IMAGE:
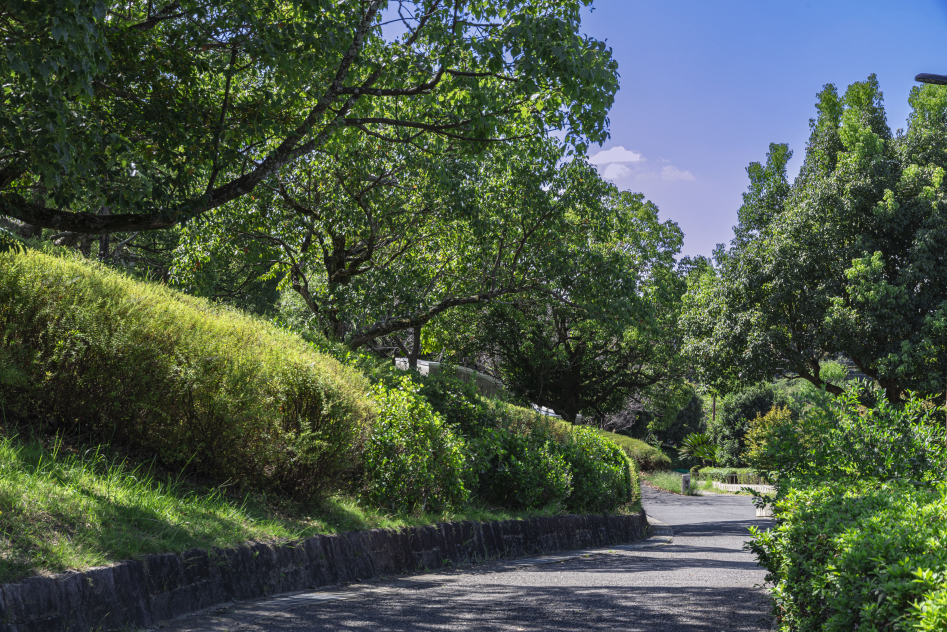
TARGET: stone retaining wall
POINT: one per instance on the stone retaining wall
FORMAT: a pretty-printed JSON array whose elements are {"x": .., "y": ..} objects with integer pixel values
[{"x": 141, "y": 593}]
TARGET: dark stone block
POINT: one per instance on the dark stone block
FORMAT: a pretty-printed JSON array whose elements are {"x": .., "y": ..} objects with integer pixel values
[
  {"x": 597, "y": 529},
  {"x": 471, "y": 544},
  {"x": 383, "y": 549},
  {"x": 451, "y": 542},
  {"x": 358, "y": 548},
  {"x": 195, "y": 565},
  {"x": 89, "y": 600},
  {"x": 163, "y": 572},
  {"x": 513, "y": 540},
  {"x": 265, "y": 568},
  {"x": 549, "y": 530},
  {"x": 493, "y": 544},
  {"x": 418, "y": 540},
  {"x": 237, "y": 574},
  {"x": 583, "y": 533},
  {"x": 34, "y": 599},
  {"x": 339, "y": 559},
  {"x": 402, "y": 556},
  {"x": 318, "y": 568},
  {"x": 131, "y": 594},
  {"x": 533, "y": 541}
]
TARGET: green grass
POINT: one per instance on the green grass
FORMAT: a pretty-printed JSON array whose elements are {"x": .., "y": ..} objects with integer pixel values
[
  {"x": 191, "y": 381},
  {"x": 63, "y": 508},
  {"x": 669, "y": 482}
]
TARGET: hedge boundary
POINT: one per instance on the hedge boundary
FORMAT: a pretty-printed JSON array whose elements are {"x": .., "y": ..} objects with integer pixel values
[{"x": 142, "y": 593}]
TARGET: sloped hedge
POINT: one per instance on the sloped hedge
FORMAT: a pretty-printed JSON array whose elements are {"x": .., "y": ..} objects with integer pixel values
[{"x": 90, "y": 349}]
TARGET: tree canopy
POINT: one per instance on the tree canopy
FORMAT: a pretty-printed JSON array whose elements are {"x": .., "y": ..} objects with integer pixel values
[
  {"x": 847, "y": 260},
  {"x": 140, "y": 115},
  {"x": 608, "y": 330}
]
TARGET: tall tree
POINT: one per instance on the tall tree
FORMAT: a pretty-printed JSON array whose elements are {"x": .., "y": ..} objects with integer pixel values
[
  {"x": 609, "y": 331},
  {"x": 140, "y": 115},
  {"x": 847, "y": 260}
]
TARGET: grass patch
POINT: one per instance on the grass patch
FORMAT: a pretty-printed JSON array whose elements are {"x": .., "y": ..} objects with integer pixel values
[
  {"x": 65, "y": 508},
  {"x": 669, "y": 482}
]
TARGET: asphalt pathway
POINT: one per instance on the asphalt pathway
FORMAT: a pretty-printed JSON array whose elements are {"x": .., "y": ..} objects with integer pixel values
[{"x": 700, "y": 580}]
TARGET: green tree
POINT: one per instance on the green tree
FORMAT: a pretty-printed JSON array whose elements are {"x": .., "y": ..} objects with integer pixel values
[
  {"x": 848, "y": 260},
  {"x": 380, "y": 242},
  {"x": 737, "y": 411},
  {"x": 612, "y": 331},
  {"x": 140, "y": 115}
]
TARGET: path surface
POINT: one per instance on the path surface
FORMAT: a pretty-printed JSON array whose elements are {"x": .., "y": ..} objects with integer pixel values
[{"x": 701, "y": 582}]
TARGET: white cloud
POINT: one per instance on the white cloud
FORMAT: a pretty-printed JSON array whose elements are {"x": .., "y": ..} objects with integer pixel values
[
  {"x": 616, "y": 171},
  {"x": 671, "y": 173},
  {"x": 616, "y": 154}
]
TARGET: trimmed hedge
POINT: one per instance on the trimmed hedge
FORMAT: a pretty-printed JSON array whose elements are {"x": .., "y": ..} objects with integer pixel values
[
  {"x": 648, "y": 457},
  {"x": 845, "y": 558},
  {"x": 88, "y": 348},
  {"x": 731, "y": 475}
]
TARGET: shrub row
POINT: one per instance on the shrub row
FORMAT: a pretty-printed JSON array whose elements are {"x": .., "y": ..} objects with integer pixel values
[
  {"x": 648, "y": 457},
  {"x": 860, "y": 513},
  {"x": 844, "y": 557},
  {"x": 88, "y": 349},
  {"x": 517, "y": 458},
  {"x": 731, "y": 475}
]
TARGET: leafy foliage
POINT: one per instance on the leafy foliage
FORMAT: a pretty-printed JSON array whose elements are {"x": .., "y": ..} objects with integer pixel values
[
  {"x": 614, "y": 336},
  {"x": 846, "y": 260},
  {"x": 601, "y": 473},
  {"x": 699, "y": 446},
  {"x": 736, "y": 412},
  {"x": 841, "y": 439},
  {"x": 523, "y": 469},
  {"x": 9, "y": 242},
  {"x": 412, "y": 460},
  {"x": 223, "y": 94},
  {"x": 647, "y": 457},
  {"x": 843, "y": 557},
  {"x": 376, "y": 241}
]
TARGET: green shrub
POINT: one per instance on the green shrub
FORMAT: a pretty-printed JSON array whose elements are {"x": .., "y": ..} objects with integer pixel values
[
  {"x": 84, "y": 347},
  {"x": 697, "y": 445},
  {"x": 412, "y": 461},
  {"x": 521, "y": 470},
  {"x": 602, "y": 476},
  {"x": 647, "y": 457},
  {"x": 736, "y": 412},
  {"x": 457, "y": 402},
  {"x": 840, "y": 439},
  {"x": 847, "y": 558}
]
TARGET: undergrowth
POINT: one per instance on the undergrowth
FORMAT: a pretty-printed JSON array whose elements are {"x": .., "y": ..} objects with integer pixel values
[{"x": 64, "y": 507}]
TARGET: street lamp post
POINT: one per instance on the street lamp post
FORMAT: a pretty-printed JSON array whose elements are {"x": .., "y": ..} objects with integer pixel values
[{"x": 940, "y": 80}]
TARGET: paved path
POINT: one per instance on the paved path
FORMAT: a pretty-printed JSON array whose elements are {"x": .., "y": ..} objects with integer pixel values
[{"x": 701, "y": 582}]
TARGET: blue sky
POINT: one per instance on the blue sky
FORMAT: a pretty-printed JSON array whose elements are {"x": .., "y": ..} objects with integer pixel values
[{"x": 706, "y": 85}]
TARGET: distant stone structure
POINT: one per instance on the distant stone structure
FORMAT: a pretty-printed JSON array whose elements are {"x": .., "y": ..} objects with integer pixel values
[{"x": 486, "y": 385}]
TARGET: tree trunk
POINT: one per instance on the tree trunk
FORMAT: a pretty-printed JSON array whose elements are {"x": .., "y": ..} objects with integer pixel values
[{"x": 415, "y": 347}]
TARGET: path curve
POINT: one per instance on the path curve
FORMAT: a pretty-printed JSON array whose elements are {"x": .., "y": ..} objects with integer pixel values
[{"x": 700, "y": 581}]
